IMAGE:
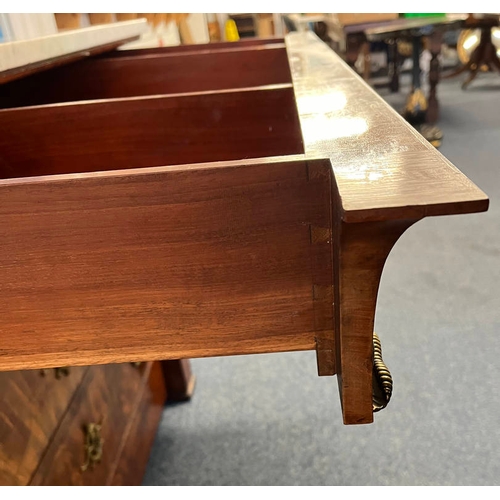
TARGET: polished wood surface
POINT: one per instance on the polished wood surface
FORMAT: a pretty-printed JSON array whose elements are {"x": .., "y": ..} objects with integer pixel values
[
  {"x": 393, "y": 26},
  {"x": 276, "y": 244},
  {"x": 386, "y": 176},
  {"x": 31, "y": 406},
  {"x": 384, "y": 169},
  {"x": 137, "y": 132},
  {"x": 109, "y": 396},
  {"x": 360, "y": 255},
  {"x": 43, "y": 414},
  {"x": 133, "y": 459},
  {"x": 161, "y": 263},
  {"x": 170, "y": 73}
]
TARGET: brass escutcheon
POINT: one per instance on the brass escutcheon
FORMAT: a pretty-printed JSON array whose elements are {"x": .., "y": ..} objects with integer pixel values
[{"x": 93, "y": 445}]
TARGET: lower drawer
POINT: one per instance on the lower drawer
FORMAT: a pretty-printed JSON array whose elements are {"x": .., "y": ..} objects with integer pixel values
[
  {"x": 134, "y": 457},
  {"x": 89, "y": 441},
  {"x": 32, "y": 403}
]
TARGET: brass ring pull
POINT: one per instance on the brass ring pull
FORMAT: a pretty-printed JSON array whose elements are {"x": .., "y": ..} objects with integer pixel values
[
  {"x": 93, "y": 445},
  {"x": 382, "y": 378}
]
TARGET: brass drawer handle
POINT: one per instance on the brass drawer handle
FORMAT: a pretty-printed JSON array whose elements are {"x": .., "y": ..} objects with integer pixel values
[
  {"x": 382, "y": 378},
  {"x": 93, "y": 445}
]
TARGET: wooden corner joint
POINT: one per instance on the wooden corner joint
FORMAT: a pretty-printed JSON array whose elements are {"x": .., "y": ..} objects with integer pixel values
[{"x": 322, "y": 297}]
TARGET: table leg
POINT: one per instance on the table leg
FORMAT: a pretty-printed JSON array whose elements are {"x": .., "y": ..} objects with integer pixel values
[
  {"x": 433, "y": 104},
  {"x": 417, "y": 45},
  {"x": 429, "y": 129},
  {"x": 416, "y": 103},
  {"x": 354, "y": 44},
  {"x": 393, "y": 65},
  {"x": 365, "y": 50},
  {"x": 419, "y": 111}
]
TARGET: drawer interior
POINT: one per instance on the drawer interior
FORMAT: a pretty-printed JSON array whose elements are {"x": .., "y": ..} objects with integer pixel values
[
  {"x": 151, "y": 131},
  {"x": 151, "y": 74},
  {"x": 155, "y": 109}
]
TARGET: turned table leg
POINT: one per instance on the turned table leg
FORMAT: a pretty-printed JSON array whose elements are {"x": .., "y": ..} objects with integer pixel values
[
  {"x": 420, "y": 111},
  {"x": 430, "y": 130},
  {"x": 393, "y": 64},
  {"x": 433, "y": 105}
]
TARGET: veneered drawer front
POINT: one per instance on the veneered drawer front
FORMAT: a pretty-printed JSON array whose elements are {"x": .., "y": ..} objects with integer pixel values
[
  {"x": 108, "y": 396},
  {"x": 32, "y": 404},
  {"x": 139, "y": 440}
]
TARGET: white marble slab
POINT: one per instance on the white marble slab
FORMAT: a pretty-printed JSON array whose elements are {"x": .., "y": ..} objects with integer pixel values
[{"x": 23, "y": 52}]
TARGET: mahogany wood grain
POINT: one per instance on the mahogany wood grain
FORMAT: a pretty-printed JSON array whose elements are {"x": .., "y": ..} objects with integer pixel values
[
  {"x": 31, "y": 406},
  {"x": 109, "y": 396},
  {"x": 131, "y": 465},
  {"x": 160, "y": 263},
  {"x": 359, "y": 258},
  {"x": 106, "y": 78},
  {"x": 384, "y": 169},
  {"x": 136, "y": 132},
  {"x": 386, "y": 176},
  {"x": 218, "y": 258}
]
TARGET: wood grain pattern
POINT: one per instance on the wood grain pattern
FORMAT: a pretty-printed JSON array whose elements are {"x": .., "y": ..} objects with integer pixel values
[
  {"x": 133, "y": 459},
  {"x": 360, "y": 255},
  {"x": 385, "y": 177},
  {"x": 31, "y": 406},
  {"x": 106, "y": 78},
  {"x": 384, "y": 169},
  {"x": 162, "y": 263},
  {"x": 136, "y": 132},
  {"x": 218, "y": 258},
  {"x": 109, "y": 395}
]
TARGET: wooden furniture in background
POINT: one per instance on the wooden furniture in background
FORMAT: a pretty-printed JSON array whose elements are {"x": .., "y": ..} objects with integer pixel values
[
  {"x": 154, "y": 218},
  {"x": 484, "y": 56},
  {"x": 422, "y": 111}
]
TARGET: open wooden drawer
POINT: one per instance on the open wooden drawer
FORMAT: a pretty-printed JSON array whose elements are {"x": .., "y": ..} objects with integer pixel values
[{"x": 207, "y": 201}]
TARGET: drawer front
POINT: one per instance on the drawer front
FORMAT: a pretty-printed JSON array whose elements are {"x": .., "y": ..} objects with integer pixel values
[
  {"x": 32, "y": 404},
  {"x": 107, "y": 397},
  {"x": 135, "y": 455}
]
